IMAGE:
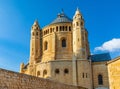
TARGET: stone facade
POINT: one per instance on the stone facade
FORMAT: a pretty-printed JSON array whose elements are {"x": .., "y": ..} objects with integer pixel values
[
  {"x": 100, "y": 68},
  {"x": 13, "y": 80},
  {"x": 114, "y": 73},
  {"x": 60, "y": 52}
]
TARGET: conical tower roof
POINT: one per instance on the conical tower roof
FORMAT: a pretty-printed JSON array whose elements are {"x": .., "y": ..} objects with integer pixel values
[
  {"x": 36, "y": 24},
  {"x": 77, "y": 12}
]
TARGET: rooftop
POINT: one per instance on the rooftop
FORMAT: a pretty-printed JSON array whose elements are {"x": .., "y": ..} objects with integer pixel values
[
  {"x": 100, "y": 57},
  {"x": 61, "y": 18}
]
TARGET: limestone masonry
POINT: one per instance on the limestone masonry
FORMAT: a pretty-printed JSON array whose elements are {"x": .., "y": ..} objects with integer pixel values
[
  {"x": 60, "y": 52},
  {"x": 13, "y": 80}
]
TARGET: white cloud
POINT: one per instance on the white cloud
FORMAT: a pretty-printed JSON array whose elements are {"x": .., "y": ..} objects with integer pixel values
[{"x": 111, "y": 46}]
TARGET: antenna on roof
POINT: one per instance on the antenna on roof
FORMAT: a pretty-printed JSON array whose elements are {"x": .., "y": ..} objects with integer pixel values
[
  {"x": 77, "y": 8},
  {"x": 62, "y": 11}
]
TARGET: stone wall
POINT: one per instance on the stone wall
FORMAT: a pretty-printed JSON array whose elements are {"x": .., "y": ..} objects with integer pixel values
[
  {"x": 100, "y": 68},
  {"x": 84, "y": 76},
  {"x": 13, "y": 80},
  {"x": 114, "y": 73}
]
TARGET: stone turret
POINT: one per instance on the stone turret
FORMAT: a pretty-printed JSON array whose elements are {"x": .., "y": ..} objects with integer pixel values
[
  {"x": 35, "y": 42},
  {"x": 21, "y": 67},
  {"x": 80, "y": 44},
  {"x": 77, "y": 35}
]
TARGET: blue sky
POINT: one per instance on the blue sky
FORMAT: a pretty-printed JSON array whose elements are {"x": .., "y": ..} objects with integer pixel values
[{"x": 17, "y": 16}]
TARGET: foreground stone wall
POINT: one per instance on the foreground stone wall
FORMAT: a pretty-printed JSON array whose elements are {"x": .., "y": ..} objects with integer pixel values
[{"x": 13, "y": 80}]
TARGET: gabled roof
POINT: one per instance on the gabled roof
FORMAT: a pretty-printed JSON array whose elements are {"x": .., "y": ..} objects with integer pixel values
[
  {"x": 61, "y": 18},
  {"x": 113, "y": 60},
  {"x": 100, "y": 57}
]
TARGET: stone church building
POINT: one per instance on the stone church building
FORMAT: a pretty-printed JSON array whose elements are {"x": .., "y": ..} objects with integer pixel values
[{"x": 60, "y": 52}]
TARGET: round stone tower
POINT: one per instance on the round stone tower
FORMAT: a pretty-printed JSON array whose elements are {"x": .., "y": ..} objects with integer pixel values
[{"x": 57, "y": 39}]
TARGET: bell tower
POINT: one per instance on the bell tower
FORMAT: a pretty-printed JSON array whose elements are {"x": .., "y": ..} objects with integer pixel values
[
  {"x": 35, "y": 43},
  {"x": 80, "y": 37}
]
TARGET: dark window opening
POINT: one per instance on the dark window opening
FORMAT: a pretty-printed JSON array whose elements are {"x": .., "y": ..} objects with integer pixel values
[
  {"x": 66, "y": 71},
  {"x": 46, "y": 32},
  {"x": 57, "y": 28},
  {"x": 77, "y": 24},
  {"x": 36, "y": 33},
  {"x": 100, "y": 79},
  {"x": 44, "y": 73},
  {"x": 64, "y": 43},
  {"x": 57, "y": 71},
  {"x": 69, "y": 28},
  {"x": 38, "y": 73},
  {"x": 46, "y": 45},
  {"x": 83, "y": 75},
  {"x": 50, "y": 30},
  {"x": 86, "y": 75},
  {"x": 33, "y": 34},
  {"x": 81, "y": 23}
]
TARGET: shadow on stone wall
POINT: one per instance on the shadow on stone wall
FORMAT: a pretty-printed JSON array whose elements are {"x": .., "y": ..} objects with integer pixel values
[{"x": 14, "y": 80}]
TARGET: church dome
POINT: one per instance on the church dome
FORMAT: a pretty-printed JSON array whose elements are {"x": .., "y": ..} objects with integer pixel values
[{"x": 61, "y": 18}]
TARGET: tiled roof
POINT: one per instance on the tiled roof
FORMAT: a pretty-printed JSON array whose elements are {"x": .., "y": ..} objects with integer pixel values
[
  {"x": 61, "y": 18},
  {"x": 100, "y": 57}
]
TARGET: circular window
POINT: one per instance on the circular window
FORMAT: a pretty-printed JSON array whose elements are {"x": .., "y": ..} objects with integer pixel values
[
  {"x": 57, "y": 71},
  {"x": 66, "y": 71}
]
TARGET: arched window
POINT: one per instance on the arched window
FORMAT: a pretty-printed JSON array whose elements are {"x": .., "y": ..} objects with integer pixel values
[
  {"x": 83, "y": 75},
  {"x": 100, "y": 79},
  {"x": 57, "y": 71},
  {"x": 48, "y": 31},
  {"x": 77, "y": 24},
  {"x": 63, "y": 42},
  {"x": 45, "y": 45},
  {"x": 33, "y": 33},
  {"x": 38, "y": 73},
  {"x": 82, "y": 24},
  {"x": 44, "y": 73},
  {"x": 66, "y": 71},
  {"x": 69, "y": 28},
  {"x": 86, "y": 75},
  {"x": 36, "y": 33},
  {"x": 65, "y": 28},
  {"x": 57, "y": 28}
]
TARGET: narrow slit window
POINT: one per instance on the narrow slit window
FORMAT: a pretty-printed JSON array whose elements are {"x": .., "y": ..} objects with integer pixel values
[
  {"x": 45, "y": 45},
  {"x": 63, "y": 42}
]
